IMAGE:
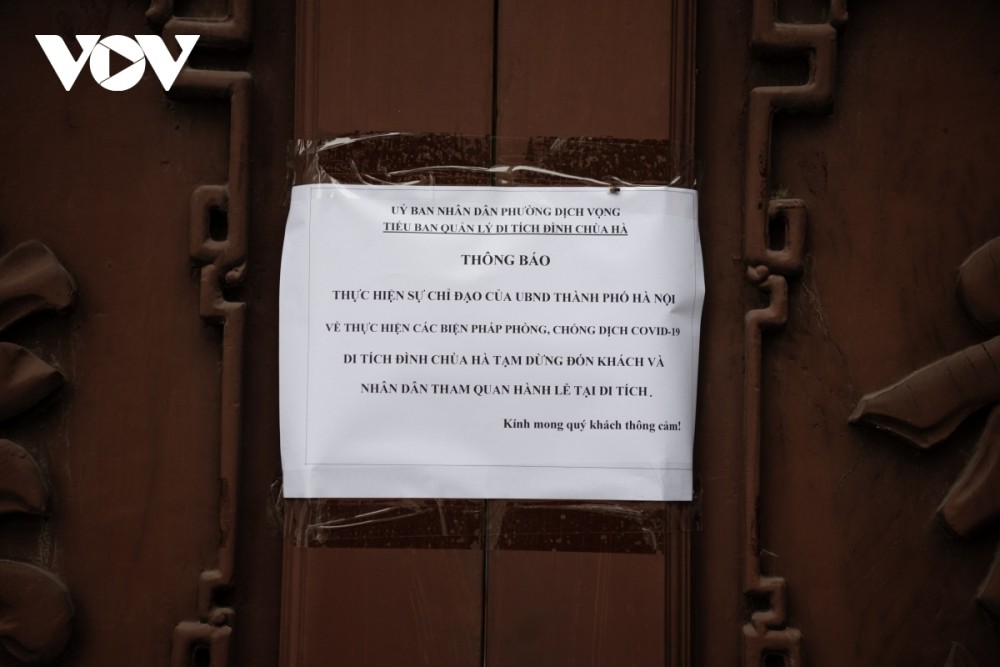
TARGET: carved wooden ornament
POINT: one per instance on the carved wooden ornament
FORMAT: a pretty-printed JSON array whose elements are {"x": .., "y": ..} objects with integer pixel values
[
  {"x": 36, "y": 611},
  {"x": 926, "y": 407},
  {"x": 767, "y": 633}
]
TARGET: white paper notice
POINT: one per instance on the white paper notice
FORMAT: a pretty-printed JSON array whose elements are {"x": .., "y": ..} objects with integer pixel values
[{"x": 474, "y": 342}]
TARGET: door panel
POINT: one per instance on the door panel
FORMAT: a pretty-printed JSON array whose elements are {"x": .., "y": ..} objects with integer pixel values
[
  {"x": 384, "y": 66},
  {"x": 585, "y": 583},
  {"x": 613, "y": 547},
  {"x": 138, "y": 448},
  {"x": 410, "y": 571},
  {"x": 900, "y": 191}
]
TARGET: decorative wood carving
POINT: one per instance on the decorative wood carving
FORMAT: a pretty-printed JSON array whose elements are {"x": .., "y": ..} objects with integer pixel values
[
  {"x": 22, "y": 489},
  {"x": 32, "y": 280},
  {"x": 27, "y": 379},
  {"x": 767, "y": 633},
  {"x": 926, "y": 407},
  {"x": 36, "y": 612},
  {"x": 231, "y": 31},
  {"x": 218, "y": 229}
]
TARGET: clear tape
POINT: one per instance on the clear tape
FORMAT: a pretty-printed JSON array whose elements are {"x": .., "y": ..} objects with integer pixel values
[{"x": 407, "y": 158}]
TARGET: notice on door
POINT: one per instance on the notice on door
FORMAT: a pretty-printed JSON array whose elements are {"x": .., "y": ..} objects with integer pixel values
[{"x": 478, "y": 342}]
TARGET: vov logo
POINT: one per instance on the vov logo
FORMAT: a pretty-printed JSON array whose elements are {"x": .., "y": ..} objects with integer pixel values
[{"x": 137, "y": 51}]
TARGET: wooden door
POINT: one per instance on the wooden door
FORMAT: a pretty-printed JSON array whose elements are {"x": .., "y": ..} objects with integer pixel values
[
  {"x": 846, "y": 172},
  {"x": 495, "y": 582},
  {"x": 140, "y": 514}
]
